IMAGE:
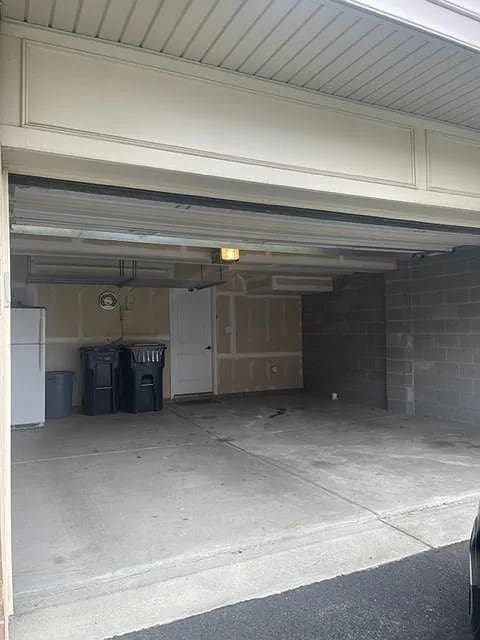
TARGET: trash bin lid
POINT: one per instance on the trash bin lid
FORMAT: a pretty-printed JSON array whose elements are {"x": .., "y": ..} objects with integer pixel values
[
  {"x": 146, "y": 352},
  {"x": 60, "y": 373}
]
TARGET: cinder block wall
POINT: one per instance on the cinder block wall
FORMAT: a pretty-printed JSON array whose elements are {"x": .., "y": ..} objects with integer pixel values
[
  {"x": 433, "y": 329},
  {"x": 344, "y": 340}
]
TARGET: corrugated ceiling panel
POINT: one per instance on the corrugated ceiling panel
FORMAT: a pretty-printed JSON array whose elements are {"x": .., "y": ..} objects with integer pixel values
[
  {"x": 189, "y": 26},
  {"x": 249, "y": 12},
  {"x": 165, "y": 24},
  {"x": 140, "y": 21},
  {"x": 211, "y": 28},
  {"x": 380, "y": 41},
  {"x": 324, "y": 45},
  {"x": 261, "y": 29},
  {"x": 17, "y": 10},
  {"x": 115, "y": 19},
  {"x": 284, "y": 31},
  {"x": 335, "y": 41},
  {"x": 40, "y": 12},
  {"x": 91, "y": 16},
  {"x": 65, "y": 15},
  {"x": 388, "y": 74}
]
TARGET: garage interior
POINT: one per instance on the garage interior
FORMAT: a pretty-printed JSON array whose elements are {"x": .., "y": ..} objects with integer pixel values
[{"x": 257, "y": 458}]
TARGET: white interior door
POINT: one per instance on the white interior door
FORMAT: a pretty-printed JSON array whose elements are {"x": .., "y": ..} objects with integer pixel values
[{"x": 191, "y": 341}]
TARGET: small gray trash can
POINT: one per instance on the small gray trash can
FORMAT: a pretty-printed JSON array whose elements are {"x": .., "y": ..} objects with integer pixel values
[{"x": 58, "y": 393}]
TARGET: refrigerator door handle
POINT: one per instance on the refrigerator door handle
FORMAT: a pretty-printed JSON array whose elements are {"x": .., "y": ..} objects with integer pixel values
[
  {"x": 41, "y": 342},
  {"x": 41, "y": 356}
]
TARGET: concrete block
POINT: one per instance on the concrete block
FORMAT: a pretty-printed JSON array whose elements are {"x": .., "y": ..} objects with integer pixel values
[
  {"x": 435, "y": 354},
  {"x": 449, "y": 398},
  {"x": 447, "y": 340},
  {"x": 469, "y": 371},
  {"x": 462, "y": 385},
  {"x": 445, "y": 311},
  {"x": 399, "y": 327},
  {"x": 424, "y": 340},
  {"x": 399, "y": 379},
  {"x": 399, "y": 353},
  {"x": 431, "y": 298},
  {"x": 470, "y": 340},
  {"x": 475, "y": 325},
  {"x": 398, "y": 300},
  {"x": 429, "y": 326},
  {"x": 397, "y": 340},
  {"x": 399, "y": 313},
  {"x": 397, "y": 406},
  {"x": 423, "y": 313},
  {"x": 458, "y": 326},
  {"x": 459, "y": 354},
  {"x": 461, "y": 295},
  {"x": 470, "y": 401},
  {"x": 398, "y": 286},
  {"x": 469, "y": 310},
  {"x": 399, "y": 366},
  {"x": 449, "y": 369}
]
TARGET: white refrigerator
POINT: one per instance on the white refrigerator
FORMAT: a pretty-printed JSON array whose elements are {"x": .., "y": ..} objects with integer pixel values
[{"x": 28, "y": 366}]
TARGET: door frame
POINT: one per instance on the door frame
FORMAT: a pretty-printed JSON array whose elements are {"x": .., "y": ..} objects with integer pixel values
[
  {"x": 6, "y": 588},
  {"x": 213, "y": 308}
]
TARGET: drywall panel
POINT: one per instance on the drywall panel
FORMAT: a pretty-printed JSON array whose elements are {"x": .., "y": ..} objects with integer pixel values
[
  {"x": 285, "y": 331},
  {"x": 68, "y": 90},
  {"x": 258, "y": 340},
  {"x": 74, "y": 320},
  {"x": 453, "y": 164},
  {"x": 260, "y": 373},
  {"x": 267, "y": 324},
  {"x": 64, "y": 322},
  {"x": 224, "y": 328}
]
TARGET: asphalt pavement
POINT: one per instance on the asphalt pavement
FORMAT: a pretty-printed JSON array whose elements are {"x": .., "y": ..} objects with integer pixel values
[{"x": 423, "y": 597}]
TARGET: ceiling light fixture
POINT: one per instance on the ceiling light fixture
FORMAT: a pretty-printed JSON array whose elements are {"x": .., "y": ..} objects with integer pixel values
[{"x": 225, "y": 255}]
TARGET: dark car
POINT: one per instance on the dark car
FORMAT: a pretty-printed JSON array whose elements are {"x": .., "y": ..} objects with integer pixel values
[{"x": 475, "y": 578}]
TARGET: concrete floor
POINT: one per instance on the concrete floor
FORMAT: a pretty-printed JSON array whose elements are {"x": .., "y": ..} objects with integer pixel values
[{"x": 114, "y": 503}]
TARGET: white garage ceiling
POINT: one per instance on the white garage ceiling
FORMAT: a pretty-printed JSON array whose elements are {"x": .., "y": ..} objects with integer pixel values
[{"x": 322, "y": 45}]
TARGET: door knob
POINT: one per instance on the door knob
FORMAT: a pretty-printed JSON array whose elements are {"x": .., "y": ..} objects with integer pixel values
[{"x": 208, "y": 348}]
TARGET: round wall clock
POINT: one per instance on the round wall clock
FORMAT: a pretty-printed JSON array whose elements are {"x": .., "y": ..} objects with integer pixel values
[{"x": 108, "y": 300}]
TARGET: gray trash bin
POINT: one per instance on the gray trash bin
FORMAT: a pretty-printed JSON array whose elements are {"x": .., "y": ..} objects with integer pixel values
[{"x": 58, "y": 393}]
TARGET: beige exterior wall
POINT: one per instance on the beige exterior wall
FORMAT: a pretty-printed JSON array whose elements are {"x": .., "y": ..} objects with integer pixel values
[
  {"x": 58, "y": 121},
  {"x": 258, "y": 337}
]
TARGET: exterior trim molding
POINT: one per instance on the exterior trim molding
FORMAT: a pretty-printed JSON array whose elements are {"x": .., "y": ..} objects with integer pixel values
[{"x": 28, "y": 122}]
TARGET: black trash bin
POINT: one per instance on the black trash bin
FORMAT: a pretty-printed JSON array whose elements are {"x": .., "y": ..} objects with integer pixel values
[
  {"x": 101, "y": 379},
  {"x": 142, "y": 377},
  {"x": 58, "y": 394}
]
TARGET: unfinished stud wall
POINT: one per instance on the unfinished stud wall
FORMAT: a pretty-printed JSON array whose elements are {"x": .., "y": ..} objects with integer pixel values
[
  {"x": 344, "y": 341},
  {"x": 259, "y": 340}
]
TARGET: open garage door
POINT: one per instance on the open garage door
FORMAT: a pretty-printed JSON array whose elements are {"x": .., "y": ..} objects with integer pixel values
[
  {"x": 133, "y": 248},
  {"x": 47, "y": 208}
]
